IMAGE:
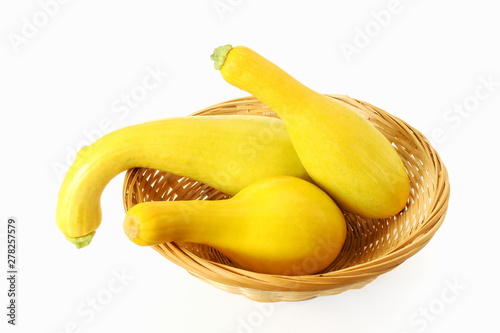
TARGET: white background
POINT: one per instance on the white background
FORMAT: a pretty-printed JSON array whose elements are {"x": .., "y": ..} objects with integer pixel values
[{"x": 65, "y": 67}]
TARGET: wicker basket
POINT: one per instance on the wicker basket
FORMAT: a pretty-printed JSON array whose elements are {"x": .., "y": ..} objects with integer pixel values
[{"x": 372, "y": 247}]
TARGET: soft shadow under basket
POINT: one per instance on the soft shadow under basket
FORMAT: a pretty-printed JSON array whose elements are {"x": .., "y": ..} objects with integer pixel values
[{"x": 373, "y": 247}]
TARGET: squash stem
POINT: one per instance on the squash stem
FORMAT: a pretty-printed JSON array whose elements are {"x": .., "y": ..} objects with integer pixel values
[
  {"x": 81, "y": 241},
  {"x": 220, "y": 55},
  {"x": 131, "y": 226}
]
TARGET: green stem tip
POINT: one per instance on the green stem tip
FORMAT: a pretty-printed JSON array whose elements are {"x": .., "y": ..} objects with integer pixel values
[
  {"x": 81, "y": 241},
  {"x": 220, "y": 54}
]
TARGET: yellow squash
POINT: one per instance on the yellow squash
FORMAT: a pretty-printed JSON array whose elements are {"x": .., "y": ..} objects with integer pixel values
[
  {"x": 342, "y": 152},
  {"x": 227, "y": 152},
  {"x": 279, "y": 225}
]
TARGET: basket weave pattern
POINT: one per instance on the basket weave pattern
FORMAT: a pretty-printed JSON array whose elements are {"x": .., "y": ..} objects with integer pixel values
[{"x": 373, "y": 246}]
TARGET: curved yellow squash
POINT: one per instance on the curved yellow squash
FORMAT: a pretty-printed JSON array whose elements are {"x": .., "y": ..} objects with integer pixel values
[
  {"x": 342, "y": 152},
  {"x": 225, "y": 152},
  {"x": 279, "y": 225}
]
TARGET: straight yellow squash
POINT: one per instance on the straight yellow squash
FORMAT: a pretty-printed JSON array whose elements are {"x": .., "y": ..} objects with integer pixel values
[
  {"x": 227, "y": 152},
  {"x": 342, "y": 152},
  {"x": 279, "y": 225}
]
